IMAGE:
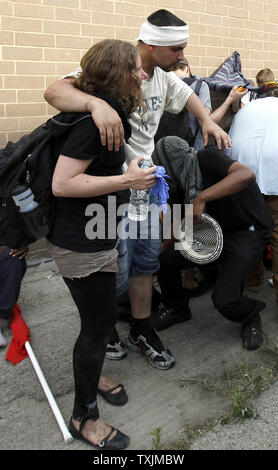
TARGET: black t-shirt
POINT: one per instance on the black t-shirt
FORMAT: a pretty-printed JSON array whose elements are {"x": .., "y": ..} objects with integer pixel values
[
  {"x": 70, "y": 227},
  {"x": 238, "y": 211}
]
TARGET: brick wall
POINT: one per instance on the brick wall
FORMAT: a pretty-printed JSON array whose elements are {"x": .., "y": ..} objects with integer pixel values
[{"x": 41, "y": 40}]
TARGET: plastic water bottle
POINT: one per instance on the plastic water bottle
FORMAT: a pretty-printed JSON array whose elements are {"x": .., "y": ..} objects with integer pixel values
[
  {"x": 139, "y": 198},
  {"x": 24, "y": 198}
]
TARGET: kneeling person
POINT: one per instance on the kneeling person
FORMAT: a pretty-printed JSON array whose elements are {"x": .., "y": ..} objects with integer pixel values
[{"x": 232, "y": 197}]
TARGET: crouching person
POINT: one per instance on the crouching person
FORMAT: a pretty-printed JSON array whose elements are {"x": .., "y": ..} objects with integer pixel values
[{"x": 232, "y": 197}]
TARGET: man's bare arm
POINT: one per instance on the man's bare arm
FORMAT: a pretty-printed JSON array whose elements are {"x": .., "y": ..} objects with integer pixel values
[
  {"x": 63, "y": 96},
  {"x": 233, "y": 99},
  {"x": 209, "y": 127},
  {"x": 239, "y": 177}
]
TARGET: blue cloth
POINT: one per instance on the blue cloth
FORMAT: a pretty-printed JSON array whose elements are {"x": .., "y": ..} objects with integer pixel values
[{"x": 161, "y": 188}]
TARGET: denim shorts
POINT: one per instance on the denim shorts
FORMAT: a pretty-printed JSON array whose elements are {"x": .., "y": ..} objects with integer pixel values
[{"x": 139, "y": 255}]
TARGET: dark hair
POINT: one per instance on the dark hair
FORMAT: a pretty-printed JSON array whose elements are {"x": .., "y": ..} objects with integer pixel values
[
  {"x": 165, "y": 18},
  {"x": 271, "y": 92}
]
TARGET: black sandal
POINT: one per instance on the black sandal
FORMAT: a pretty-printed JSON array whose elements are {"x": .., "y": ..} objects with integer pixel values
[
  {"x": 118, "y": 442},
  {"x": 119, "y": 399}
]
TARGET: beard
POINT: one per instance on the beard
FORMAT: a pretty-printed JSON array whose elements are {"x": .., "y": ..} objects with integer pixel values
[{"x": 168, "y": 68}]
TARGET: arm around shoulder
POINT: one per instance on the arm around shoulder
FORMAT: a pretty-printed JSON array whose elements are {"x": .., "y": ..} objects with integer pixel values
[{"x": 63, "y": 96}]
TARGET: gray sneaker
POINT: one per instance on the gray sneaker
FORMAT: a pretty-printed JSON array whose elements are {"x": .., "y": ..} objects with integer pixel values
[
  {"x": 161, "y": 360},
  {"x": 116, "y": 351}
]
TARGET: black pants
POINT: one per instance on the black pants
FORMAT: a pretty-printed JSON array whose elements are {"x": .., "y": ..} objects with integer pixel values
[
  {"x": 95, "y": 298},
  {"x": 241, "y": 251},
  {"x": 12, "y": 271}
]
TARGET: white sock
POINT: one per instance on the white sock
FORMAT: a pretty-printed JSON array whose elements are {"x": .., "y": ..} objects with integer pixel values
[{"x": 3, "y": 342}]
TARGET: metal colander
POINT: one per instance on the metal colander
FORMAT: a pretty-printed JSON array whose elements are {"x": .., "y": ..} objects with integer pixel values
[{"x": 207, "y": 243}]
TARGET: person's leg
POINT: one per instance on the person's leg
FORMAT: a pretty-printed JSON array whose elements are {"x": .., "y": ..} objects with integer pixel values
[
  {"x": 116, "y": 349},
  {"x": 97, "y": 314},
  {"x": 175, "y": 297},
  {"x": 241, "y": 250},
  {"x": 272, "y": 205},
  {"x": 256, "y": 277},
  {"x": 12, "y": 270},
  {"x": 144, "y": 261}
]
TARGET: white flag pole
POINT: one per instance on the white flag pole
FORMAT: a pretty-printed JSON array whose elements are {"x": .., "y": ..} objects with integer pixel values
[{"x": 59, "y": 418}]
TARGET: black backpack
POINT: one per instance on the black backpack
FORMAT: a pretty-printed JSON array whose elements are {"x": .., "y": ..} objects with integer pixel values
[
  {"x": 178, "y": 124},
  {"x": 31, "y": 161}
]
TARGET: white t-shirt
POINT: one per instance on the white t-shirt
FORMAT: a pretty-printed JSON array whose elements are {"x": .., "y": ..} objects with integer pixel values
[
  {"x": 163, "y": 92},
  {"x": 254, "y": 133}
]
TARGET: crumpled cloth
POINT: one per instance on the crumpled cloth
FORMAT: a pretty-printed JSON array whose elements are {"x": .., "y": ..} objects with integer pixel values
[
  {"x": 161, "y": 188},
  {"x": 21, "y": 333}
]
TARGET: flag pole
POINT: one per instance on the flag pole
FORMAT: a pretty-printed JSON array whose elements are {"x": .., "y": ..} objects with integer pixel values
[{"x": 59, "y": 418}]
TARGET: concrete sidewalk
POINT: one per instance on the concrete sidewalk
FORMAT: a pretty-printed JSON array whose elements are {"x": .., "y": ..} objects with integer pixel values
[{"x": 204, "y": 347}]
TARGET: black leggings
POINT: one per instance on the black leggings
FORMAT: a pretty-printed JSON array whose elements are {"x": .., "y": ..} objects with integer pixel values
[{"x": 95, "y": 298}]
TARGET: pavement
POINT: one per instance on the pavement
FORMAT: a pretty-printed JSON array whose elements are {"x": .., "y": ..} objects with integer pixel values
[{"x": 204, "y": 348}]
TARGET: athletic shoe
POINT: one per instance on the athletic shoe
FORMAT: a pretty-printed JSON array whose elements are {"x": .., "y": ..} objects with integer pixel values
[
  {"x": 153, "y": 349},
  {"x": 167, "y": 317},
  {"x": 116, "y": 351},
  {"x": 252, "y": 334}
]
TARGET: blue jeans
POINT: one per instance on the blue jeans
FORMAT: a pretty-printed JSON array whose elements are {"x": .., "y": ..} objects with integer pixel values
[{"x": 139, "y": 256}]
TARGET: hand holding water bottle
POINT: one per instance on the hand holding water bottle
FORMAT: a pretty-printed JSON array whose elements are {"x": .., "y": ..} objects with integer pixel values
[
  {"x": 138, "y": 177},
  {"x": 139, "y": 198}
]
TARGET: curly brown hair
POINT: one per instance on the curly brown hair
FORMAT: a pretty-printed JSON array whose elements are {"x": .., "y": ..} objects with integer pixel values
[{"x": 106, "y": 66}]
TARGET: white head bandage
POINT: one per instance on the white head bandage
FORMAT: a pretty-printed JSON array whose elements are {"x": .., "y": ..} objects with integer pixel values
[{"x": 163, "y": 35}]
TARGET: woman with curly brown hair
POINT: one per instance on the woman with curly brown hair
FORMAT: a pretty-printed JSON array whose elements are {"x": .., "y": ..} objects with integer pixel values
[{"x": 88, "y": 174}]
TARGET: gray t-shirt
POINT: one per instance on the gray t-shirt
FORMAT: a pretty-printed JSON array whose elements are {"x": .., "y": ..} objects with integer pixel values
[{"x": 204, "y": 96}]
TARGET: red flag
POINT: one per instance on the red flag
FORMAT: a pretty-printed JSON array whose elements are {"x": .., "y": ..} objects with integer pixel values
[{"x": 21, "y": 333}]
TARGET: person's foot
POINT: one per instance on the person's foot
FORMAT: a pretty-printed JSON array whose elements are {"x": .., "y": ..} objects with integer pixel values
[
  {"x": 93, "y": 431},
  {"x": 252, "y": 334},
  {"x": 3, "y": 342},
  {"x": 113, "y": 392},
  {"x": 98, "y": 434},
  {"x": 153, "y": 349},
  {"x": 116, "y": 351},
  {"x": 167, "y": 317},
  {"x": 105, "y": 384}
]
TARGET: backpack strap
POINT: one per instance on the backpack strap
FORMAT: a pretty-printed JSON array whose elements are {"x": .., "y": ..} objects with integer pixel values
[
  {"x": 197, "y": 91},
  {"x": 198, "y": 86}
]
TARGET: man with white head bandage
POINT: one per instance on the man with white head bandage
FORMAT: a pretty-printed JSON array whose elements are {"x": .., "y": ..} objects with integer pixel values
[{"x": 161, "y": 42}]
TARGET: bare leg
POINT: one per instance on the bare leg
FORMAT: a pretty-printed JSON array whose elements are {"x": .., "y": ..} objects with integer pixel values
[{"x": 140, "y": 294}]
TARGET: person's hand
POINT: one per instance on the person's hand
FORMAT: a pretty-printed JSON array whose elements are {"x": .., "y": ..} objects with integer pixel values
[
  {"x": 140, "y": 178},
  {"x": 236, "y": 95},
  {"x": 221, "y": 137},
  {"x": 108, "y": 122},
  {"x": 198, "y": 208},
  {"x": 20, "y": 253}
]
